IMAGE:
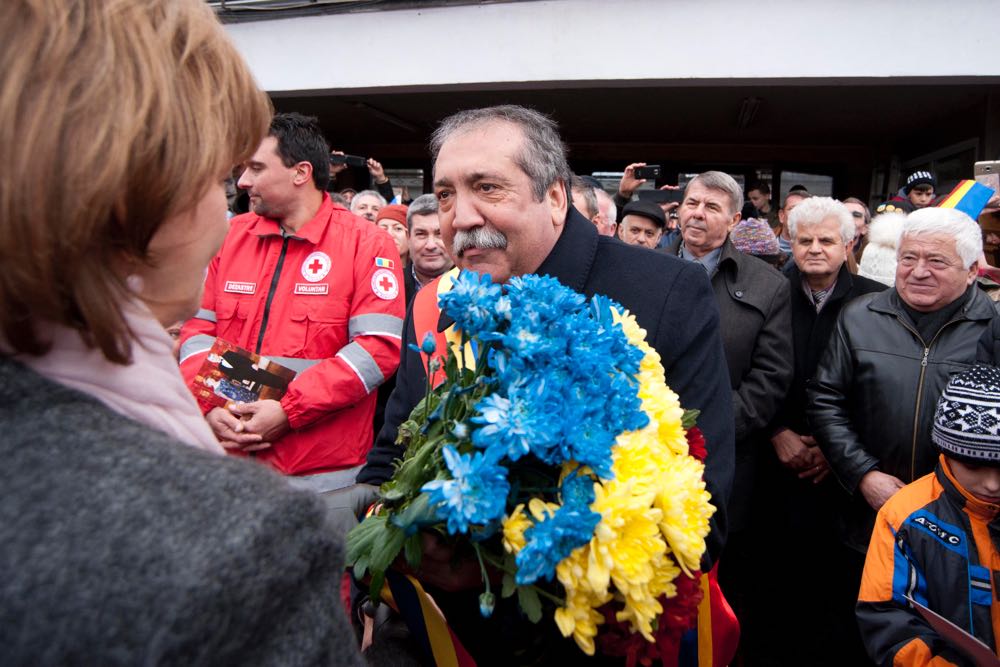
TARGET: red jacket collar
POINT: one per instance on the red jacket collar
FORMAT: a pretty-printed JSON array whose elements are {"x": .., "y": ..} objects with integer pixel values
[{"x": 312, "y": 231}]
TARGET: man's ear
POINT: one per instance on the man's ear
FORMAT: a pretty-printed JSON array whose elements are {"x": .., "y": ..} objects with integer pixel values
[
  {"x": 973, "y": 273},
  {"x": 303, "y": 173},
  {"x": 734, "y": 221},
  {"x": 558, "y": 202}
]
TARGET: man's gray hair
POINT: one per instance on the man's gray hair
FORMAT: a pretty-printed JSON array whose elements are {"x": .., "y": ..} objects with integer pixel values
[
  {"x": 422, "y": 205},
  {"x": 815, "y": 210},
  {"x": 610, "y": 210},
  {"x": 542, "y": 156},
  {"x": 723, "y": 182},
  {"x": 372, "y": 193},
  {"x": 949, "y": 222},
  {"x": 586, "y": 190}
]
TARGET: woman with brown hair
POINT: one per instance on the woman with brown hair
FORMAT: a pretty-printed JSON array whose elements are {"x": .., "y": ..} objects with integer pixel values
[{"x": 125, "y": 536}]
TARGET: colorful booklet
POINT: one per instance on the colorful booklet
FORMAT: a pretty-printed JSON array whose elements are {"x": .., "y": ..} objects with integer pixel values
[{"x": 231, "y": 374}]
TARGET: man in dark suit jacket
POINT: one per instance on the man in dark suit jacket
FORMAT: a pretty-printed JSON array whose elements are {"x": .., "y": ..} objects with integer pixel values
[
  {"x": 800, "y": 500},
  {"x": 755, "y": 319}
]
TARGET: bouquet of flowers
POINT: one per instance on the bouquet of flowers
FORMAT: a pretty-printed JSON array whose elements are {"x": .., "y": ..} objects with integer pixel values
[{"x": 556, "y": 451}]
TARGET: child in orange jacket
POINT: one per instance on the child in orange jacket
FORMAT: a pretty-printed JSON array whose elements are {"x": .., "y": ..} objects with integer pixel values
[{"x": 935, "y": 540}]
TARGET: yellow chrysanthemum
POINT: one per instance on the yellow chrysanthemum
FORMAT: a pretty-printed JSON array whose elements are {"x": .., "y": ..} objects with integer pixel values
[
  {"x": 579, "y": 620},
  {"x": 626, "y": 540},
  {"x": 686, "y": 510},
  {"x": 514, "y": 526},
  {"x": 540, "y": 509}
]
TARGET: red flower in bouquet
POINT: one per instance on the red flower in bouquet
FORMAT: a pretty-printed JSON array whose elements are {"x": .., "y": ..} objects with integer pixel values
[
  {"x": 680, "y": 613},
  {"x": 696, "y": 443}
]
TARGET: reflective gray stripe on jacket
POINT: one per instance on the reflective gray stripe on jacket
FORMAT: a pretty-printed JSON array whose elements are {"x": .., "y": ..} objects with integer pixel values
[
  {"x": 206, "y": 314},
  {"x": 195, "y": 345},
  {"x": 375, "y": 324},
  {"x": 363, "y": 364},
  {"x": 297, "y": 365}
]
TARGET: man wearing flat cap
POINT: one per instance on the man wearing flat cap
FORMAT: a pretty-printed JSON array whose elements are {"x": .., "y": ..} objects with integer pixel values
[{"x": 642, "y": 224}]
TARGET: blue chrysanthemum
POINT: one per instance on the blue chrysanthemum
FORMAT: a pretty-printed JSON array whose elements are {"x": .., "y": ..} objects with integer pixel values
[
  {"x": 577, "y": 490},
  {"x": 551, "y": 540},
  {"x": 513, "y": 424},
  {"x": 476, "y": 493},
  {"x": 475, "y": 303}
]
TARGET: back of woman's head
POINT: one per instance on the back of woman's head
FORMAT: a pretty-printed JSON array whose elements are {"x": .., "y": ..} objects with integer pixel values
[{"x": 114, "y": 116}]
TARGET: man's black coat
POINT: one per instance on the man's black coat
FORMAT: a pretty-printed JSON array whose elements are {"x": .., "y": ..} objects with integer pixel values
[{"x": 810, "y": 333}]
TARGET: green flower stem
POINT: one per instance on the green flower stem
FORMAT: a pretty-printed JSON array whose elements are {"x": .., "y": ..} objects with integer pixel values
[
  {"x": 427, "y": 387},
  {"x": 498, "y": 565},
  {"x": 482, "y": 566}
]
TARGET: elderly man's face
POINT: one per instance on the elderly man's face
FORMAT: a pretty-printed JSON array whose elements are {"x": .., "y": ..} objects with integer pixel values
[
  {"x": 489, "y": 216},
  {"x": 929, "y": 272},
  {"x": 705, "y": 219},
  {"x": 366, "y": 206},
  {"x": 818, "y": 248},
  {"x": 639, "y": 230},
  {"x": 605, "y": 220}
]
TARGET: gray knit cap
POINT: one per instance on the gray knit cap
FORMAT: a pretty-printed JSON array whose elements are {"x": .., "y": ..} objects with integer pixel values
[{"x": 967, "y": 420}]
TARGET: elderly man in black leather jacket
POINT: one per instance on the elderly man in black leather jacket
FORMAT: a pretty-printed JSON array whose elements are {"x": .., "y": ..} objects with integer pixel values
[{"x": 873, "y": 397}]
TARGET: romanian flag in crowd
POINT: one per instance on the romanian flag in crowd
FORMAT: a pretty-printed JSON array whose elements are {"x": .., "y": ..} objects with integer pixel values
[
  {"x": 384, "y": 263},
  {"x": 969, "y": 197}
]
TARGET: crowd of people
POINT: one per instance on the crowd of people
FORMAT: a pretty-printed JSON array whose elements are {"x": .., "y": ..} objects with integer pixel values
[{"x": 844, "y": 367}]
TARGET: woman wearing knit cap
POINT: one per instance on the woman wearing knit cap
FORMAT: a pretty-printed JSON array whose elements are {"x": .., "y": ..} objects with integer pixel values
[
  {"x": 935, "y": 540},
  {"x": 755, "y": 237},
  {"x": 126, "y": 537}
]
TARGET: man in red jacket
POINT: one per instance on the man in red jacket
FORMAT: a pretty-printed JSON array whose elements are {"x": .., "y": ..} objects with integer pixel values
[{"x": 310, "y": 286}]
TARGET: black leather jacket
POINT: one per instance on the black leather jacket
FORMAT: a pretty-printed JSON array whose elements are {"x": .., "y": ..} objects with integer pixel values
[{"x": 872, "y": 399}]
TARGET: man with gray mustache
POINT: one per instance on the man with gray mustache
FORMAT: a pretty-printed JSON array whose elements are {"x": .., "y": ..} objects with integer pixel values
[
  {"x": 482, "y": 238},
  {"x": 502, "y": 183}
]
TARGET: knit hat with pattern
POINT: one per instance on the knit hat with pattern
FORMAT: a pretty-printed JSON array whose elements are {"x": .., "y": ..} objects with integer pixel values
[
  {"x": 754, "y": 237},
  {"x": 967, "y": 420},
  {"x": 919, "y": 178}
]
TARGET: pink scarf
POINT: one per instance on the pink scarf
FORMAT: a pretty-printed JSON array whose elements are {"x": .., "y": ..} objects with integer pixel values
[{"x": 150, "y": 390}]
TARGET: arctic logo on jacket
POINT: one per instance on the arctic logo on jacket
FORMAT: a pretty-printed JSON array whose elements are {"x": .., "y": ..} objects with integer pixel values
[{"x": 948, "y": 535}]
